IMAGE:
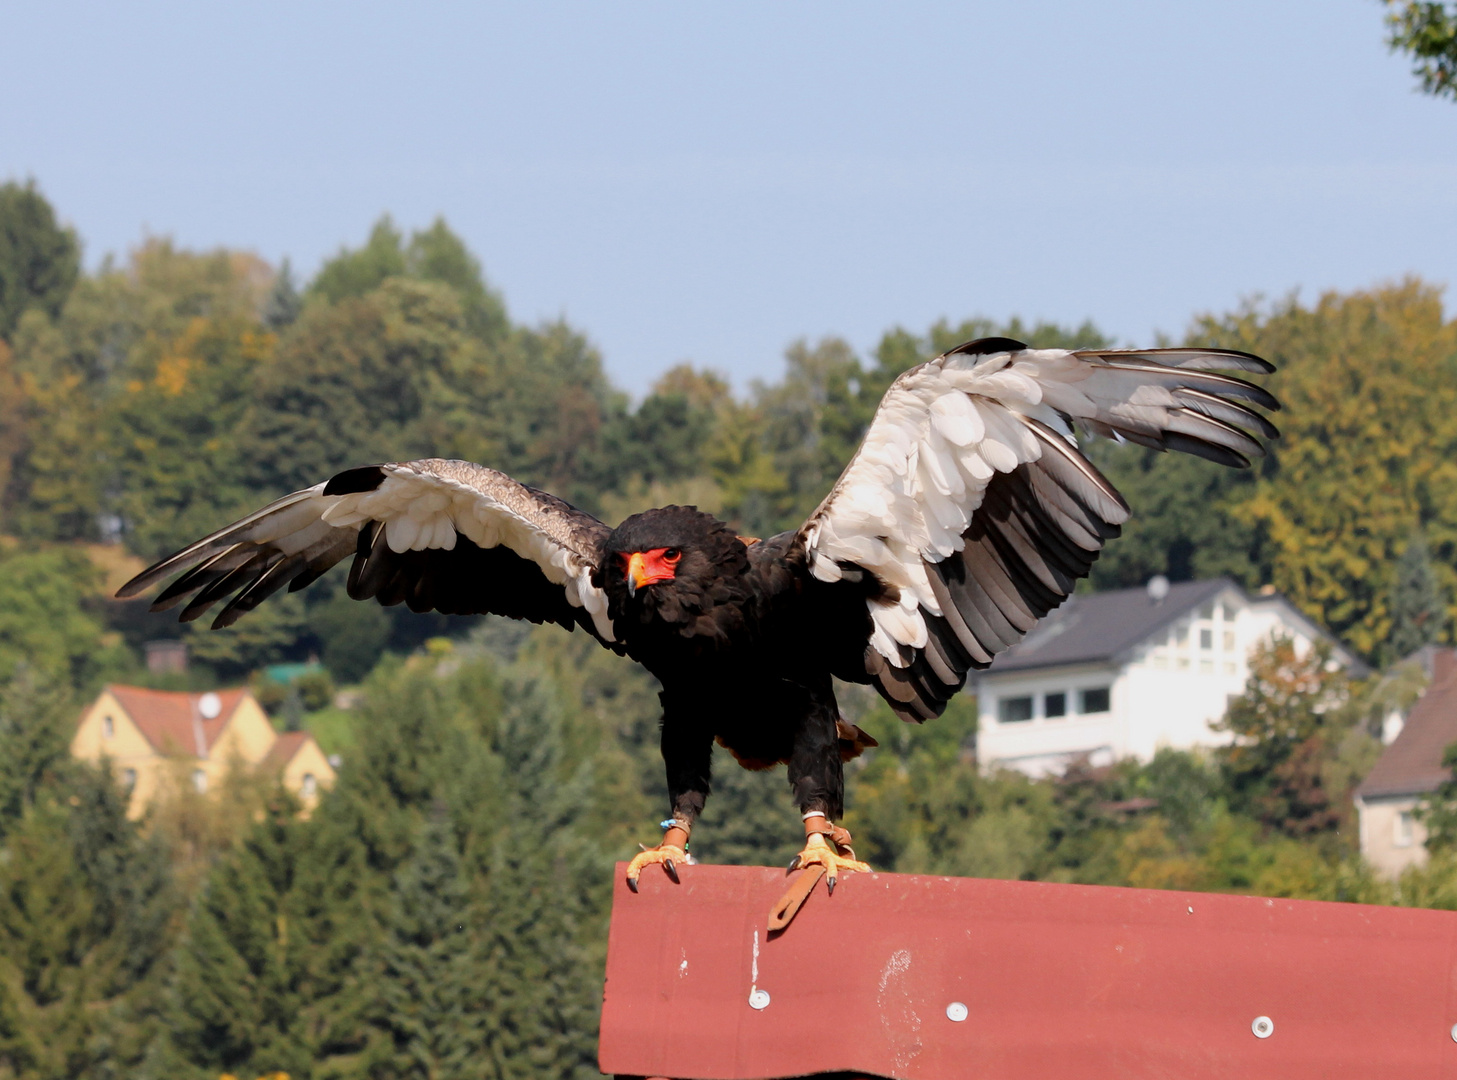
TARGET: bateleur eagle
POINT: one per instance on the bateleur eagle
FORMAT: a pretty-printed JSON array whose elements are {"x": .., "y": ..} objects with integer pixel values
[{"x": 967, "y": 514}]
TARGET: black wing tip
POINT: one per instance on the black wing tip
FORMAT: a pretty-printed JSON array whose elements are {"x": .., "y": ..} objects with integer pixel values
[
  {"x": 354, "y": 481},
  {"x": 984, "y": 346},
  {"x": 142, "y": 582},
  {"x": 1264, "y": 365}
]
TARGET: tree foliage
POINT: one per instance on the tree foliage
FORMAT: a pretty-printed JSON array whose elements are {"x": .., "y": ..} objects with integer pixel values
[
  {"x": 1426, "y": 30},
  {"x": 1368, "y": 453},
  {"x": 1418, "y": 607},
  {"x": 40, "y": 260}
]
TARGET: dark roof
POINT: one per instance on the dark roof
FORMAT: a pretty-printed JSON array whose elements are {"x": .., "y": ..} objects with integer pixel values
[
  {"x": 1412, "y": 764},
  {"x": 1099, "y": 626}
]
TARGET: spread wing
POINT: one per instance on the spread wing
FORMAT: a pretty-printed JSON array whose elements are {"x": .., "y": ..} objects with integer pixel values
[
  {"x": 974, "y": 514},
  {"x": 444, "y": 535}
]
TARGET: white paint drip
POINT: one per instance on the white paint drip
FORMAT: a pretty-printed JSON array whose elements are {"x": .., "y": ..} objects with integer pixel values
[
  {"x": 898, "y": 964},
  {"x": 683, "y": 967},
  {"x": 754, "y": 969},
  {"x": 898, "y": 1017}
]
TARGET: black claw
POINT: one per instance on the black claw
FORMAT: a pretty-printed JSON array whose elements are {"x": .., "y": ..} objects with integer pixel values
[
  {"x": 632, "y": 884},
  {"x": 793, "y": 865},
  {"x": 830, "y": 883},
  {"x": 672, "y": 871}
]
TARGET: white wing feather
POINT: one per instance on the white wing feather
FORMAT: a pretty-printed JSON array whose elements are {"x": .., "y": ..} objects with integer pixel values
[{"x": 946, "y": 428}]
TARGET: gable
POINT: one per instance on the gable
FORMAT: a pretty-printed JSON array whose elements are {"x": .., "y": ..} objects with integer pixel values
[
  {"x": 174, "y": 724},
  {"x": 106, "y": 730},
  {"x": 1412, "y": 764},
  {"x": 1098, "y": 627}
]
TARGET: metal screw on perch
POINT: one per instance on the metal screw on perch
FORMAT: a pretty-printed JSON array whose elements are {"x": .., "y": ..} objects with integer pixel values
[
  {"x": 1263, "y": 1027},
  {"x": 759, "y": 999},
  {"x": 956, "y": 1012}
]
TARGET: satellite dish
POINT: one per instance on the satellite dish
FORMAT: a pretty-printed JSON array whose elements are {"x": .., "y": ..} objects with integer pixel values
[
  {"x": 209, "y": 705},
  {"x": 1158, "y": 588}
]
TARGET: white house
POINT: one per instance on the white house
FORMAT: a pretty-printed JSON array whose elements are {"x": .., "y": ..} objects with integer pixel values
[
  {"x": 1121, "y": 674},
  {"x": 1409, "y": 769}
]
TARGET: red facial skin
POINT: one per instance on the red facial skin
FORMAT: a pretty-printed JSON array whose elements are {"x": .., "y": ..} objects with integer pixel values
[{"x": 649, "y": 567}]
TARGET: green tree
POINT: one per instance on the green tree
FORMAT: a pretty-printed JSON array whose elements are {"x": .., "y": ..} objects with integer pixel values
[
  {"x": 235, "y": 1003},
  {"x": 541, "y": 913},
  {"x": 284, "y": 303},
  {"x": 1369, "y": 451},
  {"x": 1438, "y": 811},
  {"x": 350, "y": 383},
  {"x": 35, "y": 714},
  {"x": 1286, "y": 726},
  {"x": 427, "y": 965},
  {"x": 1418, "y": 606},
  {"x": 361, "y": 271},
  {"x": 39, "y": 259},
  {"x": 438, "y": 254},
  {"x": 44, "y": 623},
  {"x": 1186, "y": 522},
  {"x": 174, "y": 432},
  {"x": 1426, "y": 30}
]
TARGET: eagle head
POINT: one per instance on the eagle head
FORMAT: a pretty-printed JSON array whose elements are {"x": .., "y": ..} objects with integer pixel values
[{"x": 668, "y": 561}]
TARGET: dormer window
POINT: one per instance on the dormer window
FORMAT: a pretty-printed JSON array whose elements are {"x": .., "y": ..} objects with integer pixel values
[
  {"x": 108, "y": 727},
  {"x": 129, "y": 778},
  {"x": 199, "y": 781},
  {"x": 310, "y": 785}
]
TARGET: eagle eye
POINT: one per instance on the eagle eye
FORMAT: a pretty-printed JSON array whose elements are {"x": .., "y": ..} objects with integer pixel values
[{"x": 672, "y": 555}]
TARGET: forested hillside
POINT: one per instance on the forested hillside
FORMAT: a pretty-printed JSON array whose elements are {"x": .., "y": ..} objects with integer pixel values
[{"x": 445, "y": 906}]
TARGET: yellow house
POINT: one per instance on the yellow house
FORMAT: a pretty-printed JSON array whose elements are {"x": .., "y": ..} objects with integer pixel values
[{"x": 154, "y": 738}]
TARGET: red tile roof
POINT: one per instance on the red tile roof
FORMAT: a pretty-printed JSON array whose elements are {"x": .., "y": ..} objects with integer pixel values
[
  {"x": 172, "y": 722},
  {"x": 286, "y": 746},
  {"x": 1412, "y": 764}
]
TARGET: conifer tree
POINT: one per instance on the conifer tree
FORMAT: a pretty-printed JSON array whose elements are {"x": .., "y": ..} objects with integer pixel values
[
  {"x": 236, "y": 1006},
  {"x": 542, "y": 905},
  {"x": 39, "y": 259},
  {"x": 425, "y": 965},
  {"x": 33, "y": 713},
  {"x": 1418, "y": 604},
  {"x": 284, "y": 302}
]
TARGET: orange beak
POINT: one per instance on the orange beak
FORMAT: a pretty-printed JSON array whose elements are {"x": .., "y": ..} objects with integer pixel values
[{"x": 637, "y": 573}]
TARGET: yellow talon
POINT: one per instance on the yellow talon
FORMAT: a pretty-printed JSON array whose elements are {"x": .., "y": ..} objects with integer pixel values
[
  {"x": 820, "y": 852},
  {"x": 670, "y": 855}
]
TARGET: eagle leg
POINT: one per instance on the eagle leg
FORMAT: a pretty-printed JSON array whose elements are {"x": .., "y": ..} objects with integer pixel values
[
  {"x": 687, "y": 750},
  {"x": 670, "y": 853}
]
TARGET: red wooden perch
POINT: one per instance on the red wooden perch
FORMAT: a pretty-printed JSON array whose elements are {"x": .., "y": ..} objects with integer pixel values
[{"x": 935, "y": 978}]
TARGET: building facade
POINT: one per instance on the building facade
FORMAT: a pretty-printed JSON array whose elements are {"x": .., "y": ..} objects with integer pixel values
[
  {"x": 1123, "y": 673},
  {"x": 1409, "y": 769},
  {"x": 159, "y": 741}
]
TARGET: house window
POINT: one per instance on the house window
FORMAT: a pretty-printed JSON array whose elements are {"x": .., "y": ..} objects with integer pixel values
[
  {"x": 1402, "y": 829},
  {"x": 1093, "y": 700},
  {"x": 1206, "y": 639},
  {"x": 199, "y": 781},
  {"x": 1181, "y": 634},
  {"x": 1207, "y": 611},
  {"x": 1014, "y": 710},
  {"x": 1229, "y": 613},
  {"x": 1229, "y": 641},
  {"x": 108, "y": 727},
  {"x": 310, "y": 785},
  {"x": 129, "y": 778},
  {"x": 1054, "y": 705}
]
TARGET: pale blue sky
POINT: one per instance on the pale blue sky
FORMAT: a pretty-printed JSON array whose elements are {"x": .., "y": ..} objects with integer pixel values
[{"x": 710, "y": 182}]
